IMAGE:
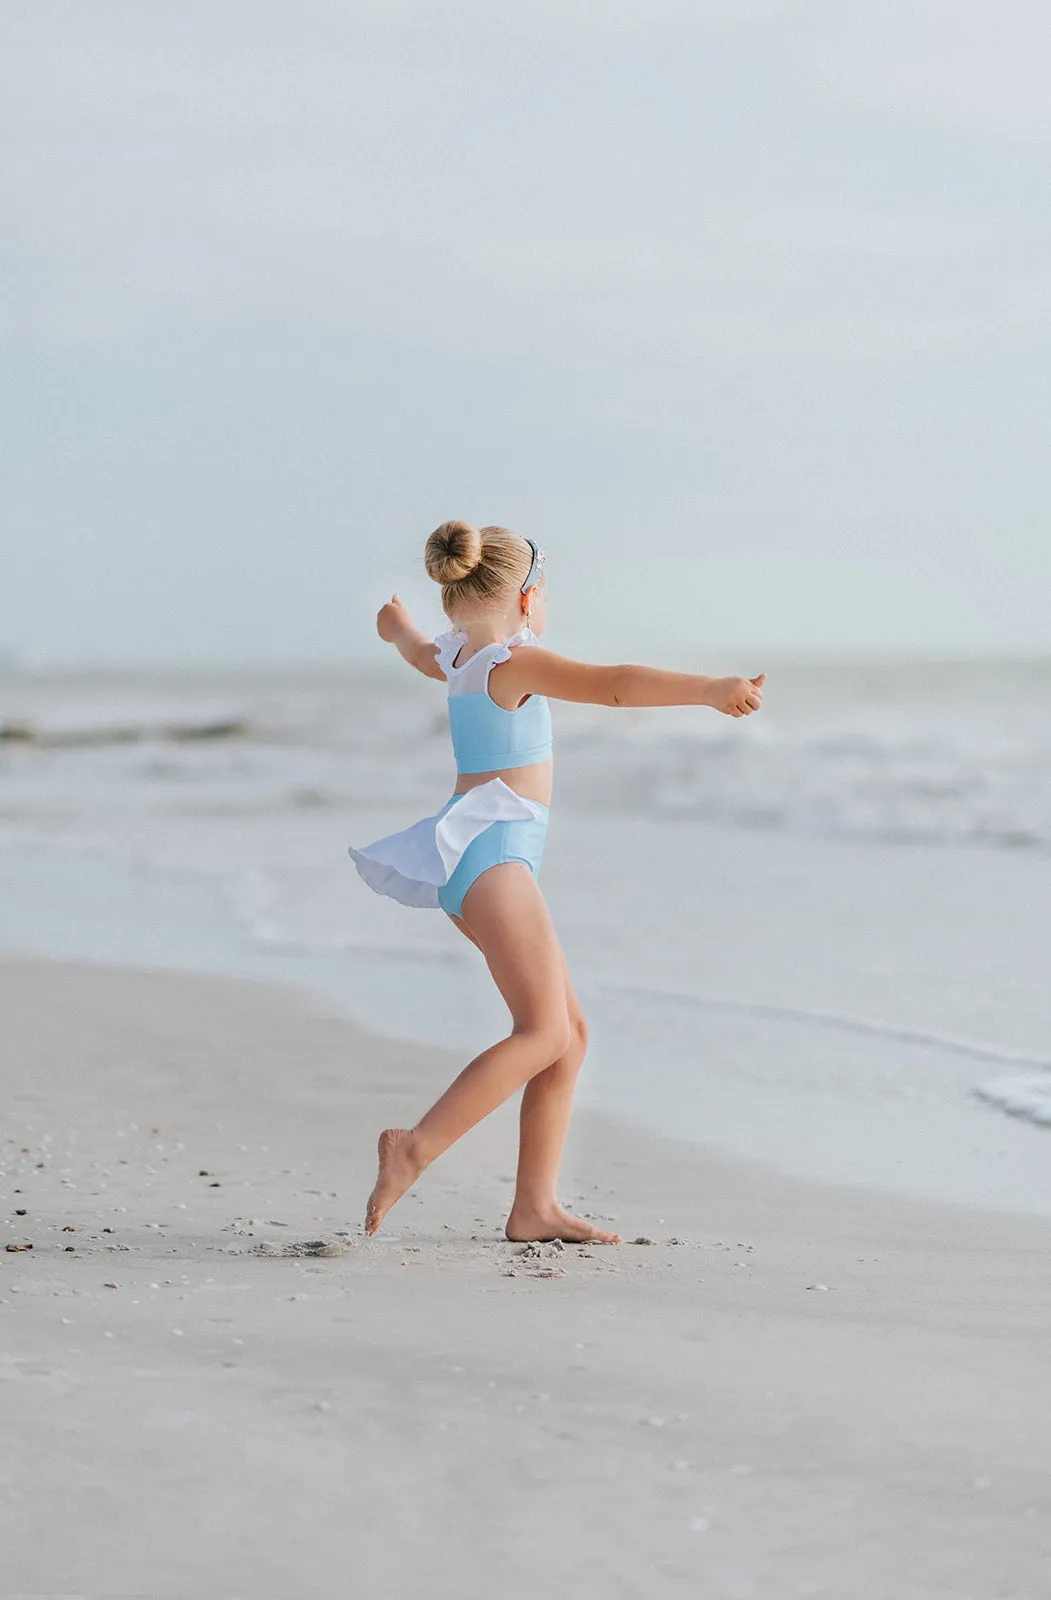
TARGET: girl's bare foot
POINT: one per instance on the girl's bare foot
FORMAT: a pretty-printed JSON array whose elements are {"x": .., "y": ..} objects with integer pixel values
[
  {"x": 400, "y": 1166},
  {"x": 554, "y": 1223}
]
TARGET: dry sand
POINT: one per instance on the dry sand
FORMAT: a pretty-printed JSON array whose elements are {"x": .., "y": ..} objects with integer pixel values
[{"x": 793, "y": 1390}]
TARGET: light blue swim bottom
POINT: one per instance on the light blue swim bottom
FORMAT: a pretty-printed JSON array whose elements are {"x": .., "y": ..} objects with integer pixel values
[{"x": 501, "y": 841}]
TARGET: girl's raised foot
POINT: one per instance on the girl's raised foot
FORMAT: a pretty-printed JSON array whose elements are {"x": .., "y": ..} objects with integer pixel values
[
  {"x": 527, "y": 1223},
  {"x": 399, "y": 1167}
]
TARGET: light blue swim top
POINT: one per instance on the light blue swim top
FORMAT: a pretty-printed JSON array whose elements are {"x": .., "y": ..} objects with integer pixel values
[{"x": 486, "y": 738}]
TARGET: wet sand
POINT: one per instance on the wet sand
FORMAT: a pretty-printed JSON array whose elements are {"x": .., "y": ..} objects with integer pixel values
[{"x": 212, "y": 1384}]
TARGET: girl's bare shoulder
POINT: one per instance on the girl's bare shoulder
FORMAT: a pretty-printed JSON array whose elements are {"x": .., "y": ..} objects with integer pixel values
[{"x": 534, "y": 670}]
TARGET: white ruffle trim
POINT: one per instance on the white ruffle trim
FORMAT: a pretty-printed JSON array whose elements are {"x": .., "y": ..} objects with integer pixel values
[
  {"x": 489, "y": 656},
  {"x": 412, "y": 866}
]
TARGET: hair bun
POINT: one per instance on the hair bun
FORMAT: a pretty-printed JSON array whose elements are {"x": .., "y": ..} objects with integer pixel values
[{"x": 453, "y": 550}]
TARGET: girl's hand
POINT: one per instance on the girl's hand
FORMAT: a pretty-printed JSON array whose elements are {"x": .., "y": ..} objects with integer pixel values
[
  {"x": 395, "y": 626},
  {"x": 391, "y": 619},
  {"x": 737, "y": 697}
]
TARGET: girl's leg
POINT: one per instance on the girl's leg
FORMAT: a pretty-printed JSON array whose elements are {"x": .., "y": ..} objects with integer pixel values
[
  {"x": 509, "y": 921},
  {"x": 546, "y": 1106},
  {"x": 547, "y": 1102}
]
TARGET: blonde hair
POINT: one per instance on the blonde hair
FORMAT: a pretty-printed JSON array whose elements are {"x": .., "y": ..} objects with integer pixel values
[{"x": 476, "y": 566}]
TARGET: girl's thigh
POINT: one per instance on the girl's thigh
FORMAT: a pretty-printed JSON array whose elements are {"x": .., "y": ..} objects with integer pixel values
[
  {"x": 573, "y": 1006},
  {"x": 505, "y": 915}
]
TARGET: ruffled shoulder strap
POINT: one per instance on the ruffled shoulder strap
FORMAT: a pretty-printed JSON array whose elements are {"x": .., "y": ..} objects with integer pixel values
[
  {"x": 502, "y": 652},
  {"x": 490, "y": 655},
  {"x": 472, "y": 675},
  {"x": 448, "y": 648}
]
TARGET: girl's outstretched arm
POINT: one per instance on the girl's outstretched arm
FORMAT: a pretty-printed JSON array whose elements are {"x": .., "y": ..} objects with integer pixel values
[
  {"x": 538, "y": 671},
  {"x": 396, "y": 627}
]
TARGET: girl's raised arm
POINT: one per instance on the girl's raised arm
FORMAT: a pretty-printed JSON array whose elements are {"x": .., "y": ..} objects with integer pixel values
[
  {"x": 396, "y": 627},
  {"x": 538, "y": 671}
]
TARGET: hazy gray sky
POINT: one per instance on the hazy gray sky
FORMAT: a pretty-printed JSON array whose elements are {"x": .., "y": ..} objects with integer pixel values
[{"x": 741, "y": 308}]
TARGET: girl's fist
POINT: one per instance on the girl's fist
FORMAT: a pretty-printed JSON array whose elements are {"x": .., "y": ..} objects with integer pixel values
[
  {"x": 390, "y": 618},
  {"x": 738, "y": 697}
]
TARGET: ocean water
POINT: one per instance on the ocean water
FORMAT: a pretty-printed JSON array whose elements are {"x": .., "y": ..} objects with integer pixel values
[{"x": 817, "y": 938}]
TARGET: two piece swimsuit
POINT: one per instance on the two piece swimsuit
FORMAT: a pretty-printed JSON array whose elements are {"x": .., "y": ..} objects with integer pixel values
[{"x": 436, "y": 861}]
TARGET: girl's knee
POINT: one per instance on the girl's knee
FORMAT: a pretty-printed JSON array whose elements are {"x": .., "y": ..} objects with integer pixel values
[
  {"x": 570, "y": 1044},
  {"x": 558, "y": 1040},
  {"x": 550, "y": 1037}
]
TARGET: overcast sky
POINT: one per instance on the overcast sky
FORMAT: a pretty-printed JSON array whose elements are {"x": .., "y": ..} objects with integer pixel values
[{"x": 740, "y": 308}]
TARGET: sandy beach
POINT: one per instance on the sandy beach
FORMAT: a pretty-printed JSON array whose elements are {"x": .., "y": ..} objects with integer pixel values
[
  {"x": 695, "y": 344},
  {"x": 215, "y": 1386}
]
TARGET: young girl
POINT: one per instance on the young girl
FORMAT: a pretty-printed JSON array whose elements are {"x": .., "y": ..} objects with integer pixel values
[{"x": 478, "y": 858}]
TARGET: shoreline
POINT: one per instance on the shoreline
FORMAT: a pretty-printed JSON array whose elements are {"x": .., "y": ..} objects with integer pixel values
[
  {"x": 315, "y": 1006},
  {"x": 806, "y": 1369},
  {"x": 811, "y": 1070}
]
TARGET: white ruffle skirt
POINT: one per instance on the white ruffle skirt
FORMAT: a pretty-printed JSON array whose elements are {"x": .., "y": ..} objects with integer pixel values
[{"x": 413, "y": 865}]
